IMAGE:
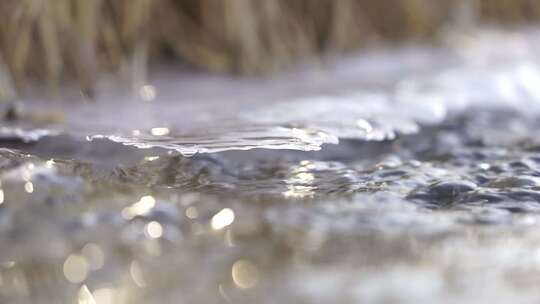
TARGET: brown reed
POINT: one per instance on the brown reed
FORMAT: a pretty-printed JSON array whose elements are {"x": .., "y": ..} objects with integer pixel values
[{"x": 59, "y": 41}]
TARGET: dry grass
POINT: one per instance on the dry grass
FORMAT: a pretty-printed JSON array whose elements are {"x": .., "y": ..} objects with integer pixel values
[{"x": 62, "y": 40}]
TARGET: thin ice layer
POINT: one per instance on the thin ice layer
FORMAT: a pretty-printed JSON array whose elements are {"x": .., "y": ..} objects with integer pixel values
[{"x": 238, "y": 138}]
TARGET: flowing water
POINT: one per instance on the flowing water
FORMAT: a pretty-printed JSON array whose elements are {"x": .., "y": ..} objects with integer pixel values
[{"x": 411, "y": 176}]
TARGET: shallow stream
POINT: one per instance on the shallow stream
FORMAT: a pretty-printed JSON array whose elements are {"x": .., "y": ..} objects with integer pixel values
[{"x": 405, "y": 176}]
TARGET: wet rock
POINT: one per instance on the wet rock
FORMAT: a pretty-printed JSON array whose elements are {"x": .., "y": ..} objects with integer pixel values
[
  {"x": 483, "y": 196},
  {"x": 450, "y": 189},
  {"x": 514, "y": 181},
  {"x": 524, "y": 195}
]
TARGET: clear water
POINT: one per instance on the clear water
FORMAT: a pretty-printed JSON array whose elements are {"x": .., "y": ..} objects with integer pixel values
[{"x": 422, "y": 188}]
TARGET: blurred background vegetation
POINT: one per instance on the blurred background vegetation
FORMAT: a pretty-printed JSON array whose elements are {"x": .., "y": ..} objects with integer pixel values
[{"x": 74, "y": 41}]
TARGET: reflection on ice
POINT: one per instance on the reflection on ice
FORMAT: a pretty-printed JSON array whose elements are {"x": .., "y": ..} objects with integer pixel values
[
  {"x": 367, "y": 116},
  {"x": 514, "y": 86}
]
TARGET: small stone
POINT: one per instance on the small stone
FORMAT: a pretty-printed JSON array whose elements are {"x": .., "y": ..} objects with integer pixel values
[{"x": 451, "y": 188}]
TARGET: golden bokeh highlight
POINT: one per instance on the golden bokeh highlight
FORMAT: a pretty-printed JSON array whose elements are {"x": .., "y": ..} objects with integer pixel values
[
  {"x": 192, "y": 213},
  {"x": 222, "y": 219},
  {"x": 85, "y": 296},
  {"x": 137, "y": 274},
  {"x": 153, "y": 230},
  {"x": 29, "y": 187},
  {"x": 245, "y": 274},
  {"x": 105, "y": 296},
  {"x": 141, "y": 207},
  {"x": 75, "y": 268}
]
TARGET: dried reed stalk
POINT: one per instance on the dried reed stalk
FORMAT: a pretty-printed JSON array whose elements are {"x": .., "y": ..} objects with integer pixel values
[{"x": 75, "y": 40}]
